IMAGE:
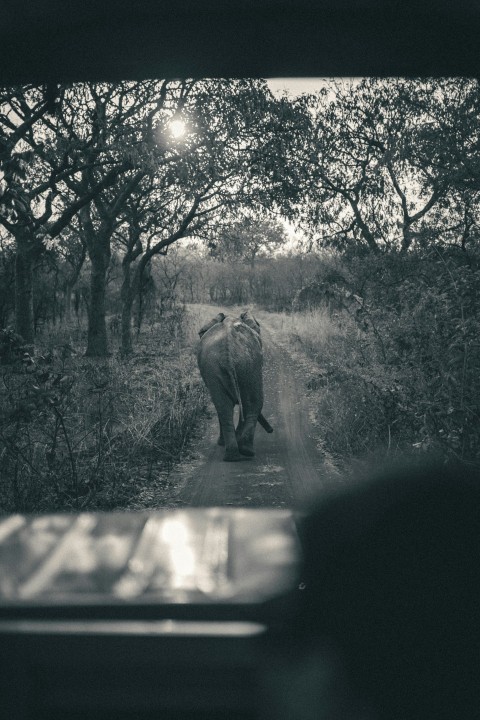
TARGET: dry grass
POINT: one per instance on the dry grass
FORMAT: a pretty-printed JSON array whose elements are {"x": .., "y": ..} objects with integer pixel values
[
  {"x": 312, "y": 327},
  {"x": 358, "y": 399},
  {"x": 95, "y": 433}
]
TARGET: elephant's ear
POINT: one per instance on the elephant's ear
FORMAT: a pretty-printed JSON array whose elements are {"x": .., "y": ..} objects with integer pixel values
[
  {"x": 214, "y": 321},
  {"x": 249, "y": 320}
]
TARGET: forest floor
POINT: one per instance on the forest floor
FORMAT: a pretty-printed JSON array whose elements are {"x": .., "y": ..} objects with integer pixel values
[{"x": 290, "y": 466}]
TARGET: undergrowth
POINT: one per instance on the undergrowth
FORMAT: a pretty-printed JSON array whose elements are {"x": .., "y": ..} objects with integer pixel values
[
  {"x": 400, "y": 377},
  {"x": 78, "y": 433}
]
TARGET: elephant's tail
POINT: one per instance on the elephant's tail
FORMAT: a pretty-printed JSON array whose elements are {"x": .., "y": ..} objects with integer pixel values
[
  {"x": 265, "y": 424},
  {"x": 237, "y": 393},
  {"x": 233, "y": 372}
]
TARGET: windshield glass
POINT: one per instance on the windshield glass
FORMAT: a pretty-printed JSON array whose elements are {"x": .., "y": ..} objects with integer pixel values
[{"x": 234, "y": 292}]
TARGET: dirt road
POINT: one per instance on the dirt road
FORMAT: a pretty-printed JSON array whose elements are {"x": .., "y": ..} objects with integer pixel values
[{"x": 288, "y": 466}]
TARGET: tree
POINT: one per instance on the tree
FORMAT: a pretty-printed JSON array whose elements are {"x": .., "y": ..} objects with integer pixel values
[
  {"x": 22, "y": 108},
  {"x": 364, "y": 186},
  {"x": 104, "y": 154},
  {"x": 72, "y": 252},
  {"x": 112, "y": 127},
  {"x": 7, "y": 279},
  {"x": 35, "y": 168},
  {"x": 248, "y": 238},
  {"x": 445, "y": 144},
  {"x": 238, "y": 153}
]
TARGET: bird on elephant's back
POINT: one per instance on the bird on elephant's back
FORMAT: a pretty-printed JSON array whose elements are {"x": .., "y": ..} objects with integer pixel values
[{"x": 230, "y": 360}]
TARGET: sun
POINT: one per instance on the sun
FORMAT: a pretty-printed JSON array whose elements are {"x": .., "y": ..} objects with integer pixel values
[{"x": 177, "y": 128}]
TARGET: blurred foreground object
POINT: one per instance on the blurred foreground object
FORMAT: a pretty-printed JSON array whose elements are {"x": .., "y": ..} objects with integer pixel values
[
  {"x": 392, "y": 573},
  {"x": 141, "y": 615},
  {"x": 210, "y": 613},
  {"x": 50, "y": 40}
]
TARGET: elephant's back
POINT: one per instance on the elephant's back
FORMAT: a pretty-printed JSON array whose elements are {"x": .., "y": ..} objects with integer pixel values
[
  {"x": 212, "y": 344},
  {"x": 213, "y": 353},
  {"x": 231, "y": 345},
  {"x": 245, "y": 345}
]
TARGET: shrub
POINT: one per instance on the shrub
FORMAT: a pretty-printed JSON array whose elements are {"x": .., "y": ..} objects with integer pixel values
[
  {"x": 78, "y": 433},
  {"x": 400, "y": 376}
]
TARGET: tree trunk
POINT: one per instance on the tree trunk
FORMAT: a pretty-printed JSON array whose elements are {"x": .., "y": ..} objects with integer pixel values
[
  {"x": 139, "y": 313},
  {"x": 97, "y": 344},
  {"x": 68, "y": 303},
  {"x": 127, "y": 295},
  {"x": 406, "y": 236},
  {"x": 71, "y": 282},
  {"x": 24, "y": 292},
  {"x": 98, "y": 248}
]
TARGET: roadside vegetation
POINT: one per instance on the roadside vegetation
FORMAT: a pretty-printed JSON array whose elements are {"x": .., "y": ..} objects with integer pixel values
[
  {"x": 396, "y": 370},
  {"x": 79, "y": 434}
]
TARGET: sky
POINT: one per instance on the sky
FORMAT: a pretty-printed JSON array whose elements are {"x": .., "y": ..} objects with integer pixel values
[{"x": 295, "y": 86}]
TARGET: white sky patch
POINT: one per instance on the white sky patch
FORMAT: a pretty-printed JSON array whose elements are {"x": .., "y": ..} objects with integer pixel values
[{"x": 295, "y": 86}]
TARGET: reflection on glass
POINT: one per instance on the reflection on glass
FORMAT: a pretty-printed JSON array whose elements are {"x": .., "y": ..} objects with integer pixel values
[{"x": 180, "y": 553}]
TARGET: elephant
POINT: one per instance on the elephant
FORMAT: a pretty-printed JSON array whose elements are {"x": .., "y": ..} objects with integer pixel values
[{"x": 230, "y": 360}]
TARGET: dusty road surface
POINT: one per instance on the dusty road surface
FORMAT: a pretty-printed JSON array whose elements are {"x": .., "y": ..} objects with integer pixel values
[{"x": 287, "y": 468}]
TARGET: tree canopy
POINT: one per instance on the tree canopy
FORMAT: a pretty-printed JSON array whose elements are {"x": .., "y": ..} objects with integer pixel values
[
  {"x": 392, "y": 162},
  {"x": 92, "y": 171},
  {"x": 105, "y": 160}
]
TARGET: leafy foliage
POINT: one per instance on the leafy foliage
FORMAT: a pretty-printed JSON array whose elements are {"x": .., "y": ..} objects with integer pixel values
[
  {"x": 391, "y": 163},
  {"x": 78, "y": 433},
  {"x": 399, "y": 373},
  {"x": 248, "y": 238}
]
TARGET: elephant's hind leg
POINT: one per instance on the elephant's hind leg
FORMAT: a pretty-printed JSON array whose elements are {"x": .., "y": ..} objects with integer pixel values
[
  {"x": 239, "y": 429},
  {"x": 224, "y": 409},
  {"x": 245, "y": 439},
  {"x": 246, "y": 451},
  {"x": 245, "y": 445}
]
